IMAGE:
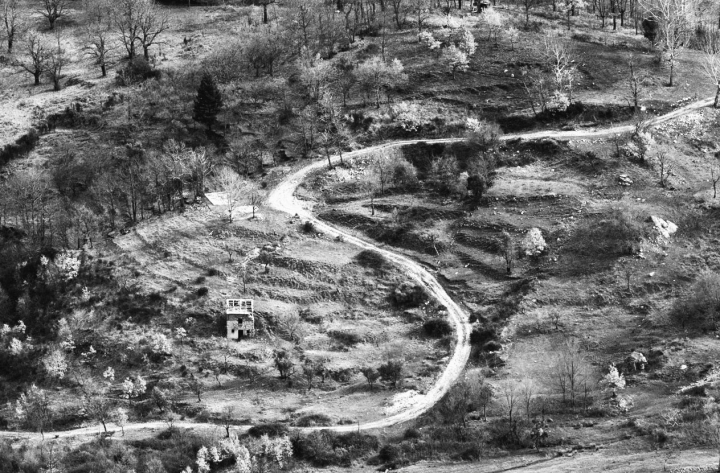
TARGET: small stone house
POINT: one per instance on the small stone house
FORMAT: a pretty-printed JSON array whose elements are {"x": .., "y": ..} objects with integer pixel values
[{"x": 240, "y": 318}]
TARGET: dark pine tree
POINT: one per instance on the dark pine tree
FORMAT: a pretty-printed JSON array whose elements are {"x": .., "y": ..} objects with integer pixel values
[{"x": 208, "y": 102}]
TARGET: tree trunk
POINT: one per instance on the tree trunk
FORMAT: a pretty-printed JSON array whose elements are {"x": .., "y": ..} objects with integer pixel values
[
  {"x": 103, "y": 68},
  {"x": 265, "y": 15},
  {"x": 717, "y": 96},
  {"x": 672, "y": 70},
  {"x": 10, "y": 41},
  {"x": 37, "y": 74},
  {"x": 146, "y": 52}
]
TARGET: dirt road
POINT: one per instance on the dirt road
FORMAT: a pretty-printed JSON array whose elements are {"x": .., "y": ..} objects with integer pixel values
[{"x": 282, "y": 198}]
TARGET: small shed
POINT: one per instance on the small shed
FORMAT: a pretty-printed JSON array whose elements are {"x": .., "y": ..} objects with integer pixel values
[{"x": 240, "y": 318}]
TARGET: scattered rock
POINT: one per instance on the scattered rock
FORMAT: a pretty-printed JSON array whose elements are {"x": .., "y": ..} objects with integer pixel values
[{"x": 664, "y": 227}]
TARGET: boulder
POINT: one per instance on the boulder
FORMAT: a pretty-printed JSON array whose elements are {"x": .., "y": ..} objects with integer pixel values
[
  {"x": 533, "y": 244},
  {"x": 664, "y": 227},
  {"x": 624, "y": 180}
]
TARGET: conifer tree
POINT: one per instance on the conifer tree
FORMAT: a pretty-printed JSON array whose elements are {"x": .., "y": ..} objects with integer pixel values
[{"x": 208, "y": 102}]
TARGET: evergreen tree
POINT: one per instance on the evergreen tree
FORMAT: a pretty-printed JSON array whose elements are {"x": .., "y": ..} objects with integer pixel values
[{"x": 208, "y": 102}]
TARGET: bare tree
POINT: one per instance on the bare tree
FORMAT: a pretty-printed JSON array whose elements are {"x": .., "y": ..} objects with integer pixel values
[
  {"x": 255, "y": 197},
  {"x": 528, "y": 392},
  {"x": 196, "y": 387},
  {"x": 508, "y": 251},
  {"x": 567, "y": 369},
  {"x": 635, "y": 86},
  {"x": 98, "y": 406},
  {"x": 711, "y": 60},
  {"x": 510, "y": 397},
  {"x": 527, "y": 5},
  {"x": 233, "y": 186},
  {"x": 53, "y": 10},
  {"x": 227, "y": 418},
  {"x": 293, "y": 327},
  {"x": 12, "y": 20},
  {"x": 57, "y": 60},
  {"x": 715, "y": 176},
  {"x": 713, "y": 426},
  {"x": 127, "y": 17},
  {"x": 665, "y": 167},
  {"x": 38, "y": 55},
  {"x": 33, "y": 409},
  {"x": 421, "y": 12},
  {"x": 673, "y": 19},
  {"x": 99, "y": 40},
  {"x": 153, "y": 22},
  {"x": 483, "y": 396}
]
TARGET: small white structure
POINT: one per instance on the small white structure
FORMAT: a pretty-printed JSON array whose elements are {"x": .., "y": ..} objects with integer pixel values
[{"x": 240, "y": 318}]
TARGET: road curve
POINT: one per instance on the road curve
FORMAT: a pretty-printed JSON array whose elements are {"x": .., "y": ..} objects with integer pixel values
[{"x": 282, "y": 198}]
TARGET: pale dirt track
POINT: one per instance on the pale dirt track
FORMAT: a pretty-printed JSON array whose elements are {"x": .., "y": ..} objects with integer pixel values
[{"x": 282, "y": 198}]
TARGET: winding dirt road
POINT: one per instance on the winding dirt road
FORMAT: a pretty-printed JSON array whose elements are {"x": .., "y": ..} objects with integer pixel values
[{"x": 282, "y": 198}]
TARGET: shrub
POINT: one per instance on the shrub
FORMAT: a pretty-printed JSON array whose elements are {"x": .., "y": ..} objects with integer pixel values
[
  {"x": 312, "y": 420},
  {"x": 619, "y": 233},
  {"x": 308, "y": 227},
  {"x": 391, "y": 371},
  {"x": 372, "y": 259},
  {"x": 325, "y": 448},
  {"x": 345, "y": 337},
  {"x": 137, "y": 70},
  {"x": 412, "y": 433},
  {"x": 200, "y": 280},
  {"x": 701, "y": 306},
  {"x": 437, "y": 328},
  {"x": 21, "y": 147},
  {"x": 213, "y": 272},
  {"x": 274, "y": 429},
  {"x": 342, "y": 375},
  {"x": 408, "y": 294},
  {"x": 480, "y": 336},
  {"x": 389, "y": 453},
  {"x": 202, "y": 291}
]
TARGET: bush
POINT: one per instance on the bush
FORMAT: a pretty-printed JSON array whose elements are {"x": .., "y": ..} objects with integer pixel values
[
  {"x": 202, "y": 291},
  {"x": 313, "y": 420},
  {"x": 408, "y": 294},
  {"x": 213, "y": 272},
  {"x": 700, "y": 308},
  {"x": 437, "y": 328},
  {"x": 389, "y": 453},
  {"x": 391, "y": 371},
  {"x": 345, "y": 337},
  {"x": 20, "y": 148},
  {"x": 274, "y": 429},
  {"x": 480, "y": 336},
  {"x": 200, "y": 280},
  {"x": 308, "y": 227},
  {"x": 372, "y": 259},
  {"x": 325, "y": 448},
  {"x": 137, "y": 70},
  {"x": 412, "y": 433},
  {"x": 619, "y": 233}
]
